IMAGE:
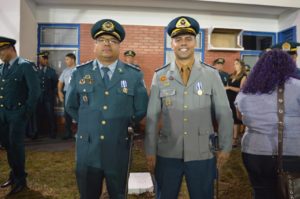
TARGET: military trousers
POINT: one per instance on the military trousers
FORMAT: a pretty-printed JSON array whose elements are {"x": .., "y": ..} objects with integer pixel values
[
  {"x": 12, "y": 134},
  {"x": 90, "y": 180},
  {"x": 199, "y": 176}
]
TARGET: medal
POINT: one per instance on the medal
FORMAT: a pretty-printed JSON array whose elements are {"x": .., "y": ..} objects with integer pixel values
[
  {"x": 167, "y": 84},
  {"x": 199, "y": 88},
  {"x": 124, "y": 86}
]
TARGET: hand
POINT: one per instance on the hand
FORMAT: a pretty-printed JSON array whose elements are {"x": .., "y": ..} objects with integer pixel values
[
  {"x": 151, "y": 161},
  {"x": 222, "y": 158},
  {"x": 227, "y": 87},
  {"x": 60, "y": 96}
]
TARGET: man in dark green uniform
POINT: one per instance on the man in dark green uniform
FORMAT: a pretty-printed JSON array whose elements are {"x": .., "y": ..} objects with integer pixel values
[
  {"x": 105, "y": 97},
  {"x": 19, "y": 92},
  {"x": 48, "y": 79},
  {"x": 219, "y": 64},
  {"x": 129, "y": 58}
]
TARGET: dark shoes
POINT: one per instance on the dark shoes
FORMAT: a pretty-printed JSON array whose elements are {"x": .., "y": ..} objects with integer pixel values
[
  {"x": 16, "y": 188},
  {"x": 7, "y": 183}
]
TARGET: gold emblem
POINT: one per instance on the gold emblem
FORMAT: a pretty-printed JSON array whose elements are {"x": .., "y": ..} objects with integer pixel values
[
  {"x": 163, "y": 78},
  {"x": 88, "y": 79},
  {"x": 199, "y": 92},
  {"x": 183, "y": 23},
  {"x": 85, "y": 98},
  {"x": 82, "y": 81},
  {"x": 168, "y": 101},
  {"x": 167, "y": 84},
  {"x": 125, "y": 90},
  {"x": 108, "y": 26},
  {"x": 286, "y": 46}
]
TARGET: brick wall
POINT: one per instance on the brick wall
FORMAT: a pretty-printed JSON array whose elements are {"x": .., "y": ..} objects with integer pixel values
[{"x": 148, "y": 43}]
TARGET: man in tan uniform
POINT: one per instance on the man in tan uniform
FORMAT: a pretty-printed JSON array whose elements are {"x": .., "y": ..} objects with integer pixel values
[{"x": 184, "y": 94}]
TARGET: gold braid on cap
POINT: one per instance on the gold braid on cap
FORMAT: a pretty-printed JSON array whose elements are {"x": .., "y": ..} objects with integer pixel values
[
  {"x": 4, "y": 43},
  {"x": 108, "y": 27},
  {"x": 183, "y": 25}
]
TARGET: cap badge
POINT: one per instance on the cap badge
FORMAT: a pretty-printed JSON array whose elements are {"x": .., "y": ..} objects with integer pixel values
[
  {"x": 108, "y": 26},
  {"x": 182, "y": 23},
  {"x": 286, "y": 46}
]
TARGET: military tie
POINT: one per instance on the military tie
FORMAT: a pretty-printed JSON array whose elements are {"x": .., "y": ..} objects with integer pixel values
[
  {"x": 5, "y": 68},
  {"x": 185, "y": 74},
  {"x": 105, "y": 75}
]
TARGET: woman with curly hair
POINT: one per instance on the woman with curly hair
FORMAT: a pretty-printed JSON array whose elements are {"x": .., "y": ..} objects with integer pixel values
[{"x": 257, "y": 107}]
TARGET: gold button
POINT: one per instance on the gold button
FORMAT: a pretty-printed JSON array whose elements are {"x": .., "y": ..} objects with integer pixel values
[
  {"x": 104, "y": 107},
  {"x": 102, "y": 137},
  {"x": 80, "y": 137},
  {"x": 1, "y": 97},
  {"x": 185, "y": 119},
  {"x": 3, "y": 80},
  {"x": 103, "y": 122},
  {"x": 106, "y": 93},
  {"x": 185, "y": 106},
  {"x": 1, "y": 88},
  {"x": 19, "y": 103},
  {"x": 84, "y": 90},
  {"x": 185, "y": 133},
  {"x": 1, "y": 105},
  {"x": 185, "y": 92}
]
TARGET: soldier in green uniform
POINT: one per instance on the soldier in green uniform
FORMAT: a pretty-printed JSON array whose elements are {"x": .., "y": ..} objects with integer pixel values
[
  {"x": 19, "y": 92},
  {"x": 129, "y": 58},
  {"x": 218, "y": 64},
  {"x": 105, "y": 97},
  {"x": 48, "y": 79}
]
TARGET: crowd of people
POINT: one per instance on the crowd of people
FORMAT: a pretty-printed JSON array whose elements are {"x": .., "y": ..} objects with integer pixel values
[{"x": 190, "y": 103}]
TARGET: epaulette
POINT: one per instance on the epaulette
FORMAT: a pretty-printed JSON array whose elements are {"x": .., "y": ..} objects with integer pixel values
[
  {"x": 84, "y": 64},
  {"x": 166, "y": 65},
  {"x": 133, "y": 66},
  {"x": 209, "y": 66}
]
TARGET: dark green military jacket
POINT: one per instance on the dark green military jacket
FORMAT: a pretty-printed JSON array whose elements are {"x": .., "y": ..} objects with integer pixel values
[
  {"x": 104, "y": 114},
  {"x": 19, "y": 87},
  {"x": 48, "y": 84}
]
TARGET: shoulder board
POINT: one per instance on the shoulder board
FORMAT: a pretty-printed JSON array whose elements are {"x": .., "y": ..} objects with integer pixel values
[
  {"x": 207, "y": 65},
  {"x": 133, "y": 66},
  {"x": 162, "y": 67},
  {"x": 84, "y": 64}
]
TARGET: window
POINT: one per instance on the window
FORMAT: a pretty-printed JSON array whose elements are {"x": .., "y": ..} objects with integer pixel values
[
  {"x": 199, "y": 50},
  {"x": 287, "y": 35},
  {"x": 254, "y": 43}
]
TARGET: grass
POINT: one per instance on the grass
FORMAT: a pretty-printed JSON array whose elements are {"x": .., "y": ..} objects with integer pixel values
[{"x": 51, "y": 176}]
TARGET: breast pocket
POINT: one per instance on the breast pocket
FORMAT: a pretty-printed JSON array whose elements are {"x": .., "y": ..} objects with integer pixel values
[
  {"x": 85, "y": 93},
  {"x": 203, "y": 97},
  {"x": 168, "y": 97}
]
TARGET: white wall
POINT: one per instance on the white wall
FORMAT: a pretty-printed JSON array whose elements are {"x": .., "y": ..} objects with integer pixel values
[
  {"x": 158, "y": 17},
  {"x": 28, "y": 28},
  {"x": 10, "y": 20}
]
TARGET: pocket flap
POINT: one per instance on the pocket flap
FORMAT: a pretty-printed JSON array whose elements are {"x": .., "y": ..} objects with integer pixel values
[{"x": 167, "y": 92}]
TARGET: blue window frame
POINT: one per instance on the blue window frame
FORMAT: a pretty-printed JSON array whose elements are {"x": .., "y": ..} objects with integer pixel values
[
  {"x": 254, "y": 43},
  {"x": 288, "y": 34},
  {"x": 199, "y": 50}
]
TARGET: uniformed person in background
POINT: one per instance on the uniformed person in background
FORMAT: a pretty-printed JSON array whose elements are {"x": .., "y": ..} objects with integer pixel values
[
  {"x": 219, "y": 64},
  {"x": 183, "y": 95},
  {"x": 129, "y": 58},
  {"x": 48, "y": 79},
  {"x": 291, "y": 49},
  {"x": 62, "y": 87},
  {"x": 105, "y": 97},
  {"x": 19, "y": 92}
]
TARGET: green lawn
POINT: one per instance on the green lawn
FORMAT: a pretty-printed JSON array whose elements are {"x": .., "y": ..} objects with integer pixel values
[{"x": 51, "y": 175}]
